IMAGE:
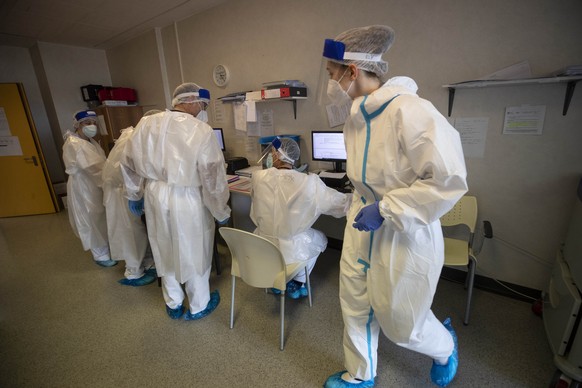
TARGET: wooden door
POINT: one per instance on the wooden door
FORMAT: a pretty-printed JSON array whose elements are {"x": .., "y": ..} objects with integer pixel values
[{"x": 25, "y": 187}]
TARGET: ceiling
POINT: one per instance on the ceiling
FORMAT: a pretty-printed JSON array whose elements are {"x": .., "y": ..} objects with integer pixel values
[{"x": 99, "y": 24}]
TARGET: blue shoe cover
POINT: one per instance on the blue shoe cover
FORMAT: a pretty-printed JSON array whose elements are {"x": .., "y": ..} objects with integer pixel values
[
  {"x": 442, "y": 375},
  {"x": 152, "y": 271},
  {"x": 276, "y": 291},
  {"x": 106, "y": 263},
  {"x": 143, "y": 281},
  {"x": 210, "y": 307},
  {"x": 336, "y": 381},
  {"x": 293, "y": 289},
  {"x": 303, "y": 291},
  {"x": 175, "y": 313}
]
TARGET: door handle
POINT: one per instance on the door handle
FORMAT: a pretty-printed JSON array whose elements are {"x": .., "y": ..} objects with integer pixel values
[{"x": 31, "y": 159}]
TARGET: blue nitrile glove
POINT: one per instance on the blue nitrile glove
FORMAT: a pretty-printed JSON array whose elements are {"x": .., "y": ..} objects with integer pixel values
[
  {"x": 369, "y": 218},
  {"x": 136, "y": 207},
  {"x": 223, "y": 222}
]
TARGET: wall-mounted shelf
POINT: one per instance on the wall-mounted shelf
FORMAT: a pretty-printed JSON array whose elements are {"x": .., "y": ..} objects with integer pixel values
[
  {"x": 569, "y": 81},
  {"x": 269, "y": 95}
]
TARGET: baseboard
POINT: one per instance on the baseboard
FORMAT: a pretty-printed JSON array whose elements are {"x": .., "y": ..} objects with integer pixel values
[{"x": 492, "y": 285}]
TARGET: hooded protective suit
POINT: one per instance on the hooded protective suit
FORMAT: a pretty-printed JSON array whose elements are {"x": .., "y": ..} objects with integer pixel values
[
  {"x": 128, "y": 239},
  {"x": 403, "y": 153},
  {"x": 84, "y": 164},
  {"x": 181, "y": 162},
  {"x": 286, "y": 203}
]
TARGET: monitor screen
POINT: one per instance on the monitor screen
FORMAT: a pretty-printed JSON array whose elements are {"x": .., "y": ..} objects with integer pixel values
[
  {"x": 328, "y": 146},
  {"x": 220, "y": 138}
]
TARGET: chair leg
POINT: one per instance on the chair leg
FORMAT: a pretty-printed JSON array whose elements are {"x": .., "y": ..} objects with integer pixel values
[
  {"x": 215, "y": 255},
  {"x": 232, "y": 302},
  {"x": 282, "y": 320},
  {"x": 308, "y": 287},
  {"x": 470, "y": 281}
]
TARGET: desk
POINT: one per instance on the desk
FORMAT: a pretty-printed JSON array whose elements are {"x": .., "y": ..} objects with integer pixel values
[{"x": 240, "y": 204}]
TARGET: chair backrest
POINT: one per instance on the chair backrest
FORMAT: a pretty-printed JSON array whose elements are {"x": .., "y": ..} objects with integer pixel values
[
  {"x": 256, "y": 260},
  {"x": 464, "y": 212}
]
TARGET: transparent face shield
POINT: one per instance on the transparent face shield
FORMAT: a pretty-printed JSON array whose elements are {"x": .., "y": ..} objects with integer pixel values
[
  {"x": 276, "y": 144},
  {"x": 201, "y": 95},
  {"x": 334, "y": 60}
]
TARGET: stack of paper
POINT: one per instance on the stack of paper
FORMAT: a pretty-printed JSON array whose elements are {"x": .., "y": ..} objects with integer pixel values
[
  {"x": 243, "y": 186},
  {"x": 248, "y": 172},
  {"x": 284, "y": 83},
  {"x": 568, "y": 71},
  {"x": 238, "y": 96}
]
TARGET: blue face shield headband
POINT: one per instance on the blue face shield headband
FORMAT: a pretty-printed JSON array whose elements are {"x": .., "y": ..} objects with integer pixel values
[
  {"x": 203, "y": 93},
  {"x": 336, "y": 51},
  {"x": 275, "y": 143},
  {"x": 85, "y": 114}
]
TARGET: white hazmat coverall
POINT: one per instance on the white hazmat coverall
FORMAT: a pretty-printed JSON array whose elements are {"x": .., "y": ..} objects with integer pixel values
[
  {"x": 285, "y": 204},
  {"x": 84, "y": 161},
  {"x": 180, "y": 160},
  {"x": 128, "y": 239},
  {"x": 403, "y": 153}
]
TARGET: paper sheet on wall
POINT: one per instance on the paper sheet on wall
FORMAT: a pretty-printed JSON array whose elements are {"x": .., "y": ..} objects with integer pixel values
[
  {"x": 266, "y": 123},
  {"x": 240, "y": 116},
  {"x": 10, "y": 146},
  {"x": 524, "y": 120},
  {"x": 251, "y": 111},
  {"x": 4, "y": 127},
  {"x": 473, "y": 131},
  {"x": 253, "y": 149},
  {"x": 253, "y": 129},
  {"x": 218, "y": 111},
  {"x": 102, "y": 125},
  {"x": 337, "y": 115}
]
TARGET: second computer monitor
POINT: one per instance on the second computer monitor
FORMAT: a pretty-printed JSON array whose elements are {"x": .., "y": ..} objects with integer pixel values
[
  {"x": 329, "y": 146},
  {"x": 219, "y": 137}
]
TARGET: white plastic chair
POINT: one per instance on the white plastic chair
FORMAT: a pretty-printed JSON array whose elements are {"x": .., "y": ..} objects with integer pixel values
[
  {"x": 462, "y": 251},
  {"x": 259, "y": 263}
]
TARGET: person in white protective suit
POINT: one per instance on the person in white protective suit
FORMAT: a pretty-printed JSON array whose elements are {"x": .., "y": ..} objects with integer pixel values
[
  {"x": 286, "y": 203},
  {"x": 407, "y": 167},
  {"x": 178, "y": 157},
  {"x": 128, "y": 239},
  {"x": 84, "y": 159}
]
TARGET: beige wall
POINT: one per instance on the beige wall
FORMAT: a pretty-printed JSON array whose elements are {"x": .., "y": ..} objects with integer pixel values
[
  {"x": 137, "y": 66},
  {"x": 67, "y": 68},
  {"x": 525, "y": 184}
]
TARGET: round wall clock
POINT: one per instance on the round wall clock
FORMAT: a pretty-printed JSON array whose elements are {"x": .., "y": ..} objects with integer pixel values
[{"x": 220, "y": 75}]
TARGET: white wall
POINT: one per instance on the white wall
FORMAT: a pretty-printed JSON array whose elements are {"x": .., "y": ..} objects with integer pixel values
[
  {"x": 525, "y": 184},
  {"x": 16, "y": 66}
]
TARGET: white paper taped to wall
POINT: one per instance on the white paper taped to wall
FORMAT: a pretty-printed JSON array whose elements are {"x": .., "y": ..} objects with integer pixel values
[
  {"x": 4, "y": 127},
  {"x": 10, "y": 146}
]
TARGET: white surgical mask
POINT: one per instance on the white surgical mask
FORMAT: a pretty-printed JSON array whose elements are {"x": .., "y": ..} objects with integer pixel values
[
  {"x": 336, "y": 93},
  {"x": 90, "y": 130},
  {"x": 202, "y": 116},
  {"x": 269, "y": 161}
]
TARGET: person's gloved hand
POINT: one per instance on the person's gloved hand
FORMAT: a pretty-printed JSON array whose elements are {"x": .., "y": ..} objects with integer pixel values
[
  {"x": 136, "y": 207},
  {"x": 369, "y": 218},
  {"x": 223, "y": 222}
]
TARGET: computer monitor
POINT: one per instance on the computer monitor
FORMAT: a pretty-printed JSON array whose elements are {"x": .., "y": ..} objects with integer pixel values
[
  {"x": 329, "y": 146},
  {"x": 220, "y": 138}
]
